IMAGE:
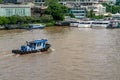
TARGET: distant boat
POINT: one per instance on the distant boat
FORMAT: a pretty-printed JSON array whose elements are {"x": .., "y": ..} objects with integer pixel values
[
  {"x": 100, "y": 24},
  {"x": 36, "y": 26},
  {"x": 33, "y": 47},
  {"x": 74, "y": 24},
  {"x": 85, "y": 24},
  {"x": 114, "y": 24}
]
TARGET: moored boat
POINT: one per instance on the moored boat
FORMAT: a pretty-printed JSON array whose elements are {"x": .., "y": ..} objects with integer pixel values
[
  {"x": 74, "y": 24},
  {"x": 85, "y": 24},
  {"x": 36, "y": 26},
  {"x": 33, "y": 47},
  {"x": 114, "y": 24},
  {"x": 100, "y": 24}
]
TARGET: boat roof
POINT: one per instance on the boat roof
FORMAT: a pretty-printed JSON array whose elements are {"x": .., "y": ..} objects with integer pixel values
[
  {"x": 35, "y": 24},
  {"x": 39, "y": 41}
]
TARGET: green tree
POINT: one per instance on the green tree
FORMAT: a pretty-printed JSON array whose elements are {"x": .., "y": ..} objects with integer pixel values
[
  {"x": 112, "y": 8},
  {"x": 56, "y": 10},
  {"x": 90, "y": 14},
  {"x": 46, "y": 18},
  {"x": 5, "y": 20},
  {"x": 29, "y": 19},
  {"x": 71, "y": 15},
  {"x": 24, "y": 20},
  {"x": 1, "y": 1},
  {"x": 99, "y": 17},
  {"x": 21, "y": 19},
  {"x": 13, "y": 19},
  {"x": 1, "y": 22}
]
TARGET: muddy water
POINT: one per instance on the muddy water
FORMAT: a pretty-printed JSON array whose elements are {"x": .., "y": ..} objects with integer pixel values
[{"x": 77, "y": 54}]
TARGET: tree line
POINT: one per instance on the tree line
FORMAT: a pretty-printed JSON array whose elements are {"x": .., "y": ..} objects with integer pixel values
[
  {"x": 112, "y": 8},
  {"x": 16, "y": 20}
]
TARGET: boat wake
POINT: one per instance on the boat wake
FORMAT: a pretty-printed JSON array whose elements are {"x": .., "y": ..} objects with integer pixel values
[
  {"x": 8, "y": 54},
  {"x": 52, "y": 49},
  {"x": 4, "y": 55}
]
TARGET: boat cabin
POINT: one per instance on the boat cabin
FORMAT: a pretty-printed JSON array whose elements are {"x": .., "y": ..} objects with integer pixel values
[{"x": 34, "y": 45}]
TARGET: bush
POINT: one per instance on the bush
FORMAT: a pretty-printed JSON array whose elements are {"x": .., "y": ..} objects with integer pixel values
[
  {"x": 46, "y": 18},
  {"x": 24, "y": 26},
  {"x": 4, "y": 20},
  {"x": 50, "y": 24},
  {"x": 99, "y": 17}
]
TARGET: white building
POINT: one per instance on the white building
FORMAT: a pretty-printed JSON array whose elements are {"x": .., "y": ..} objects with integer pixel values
[
  {"x": 10, "y": 10},
  {"x": 99, "y": 9}
]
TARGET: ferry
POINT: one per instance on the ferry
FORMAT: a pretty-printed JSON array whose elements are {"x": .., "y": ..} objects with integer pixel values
[
  {"x": 36, "y": 26},
  {"x": 33, "y": 47},
  {"x": 85, "y": 24},
  {"x": 100, "y": 24}
]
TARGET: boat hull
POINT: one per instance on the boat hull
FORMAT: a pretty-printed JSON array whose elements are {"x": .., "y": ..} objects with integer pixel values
[
  {"x": 36, "y": 26},
  {"x": 84, "y": 26},
  {"x": 33, "y": 51}
]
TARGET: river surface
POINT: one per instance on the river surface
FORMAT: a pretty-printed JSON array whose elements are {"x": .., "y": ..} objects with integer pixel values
[{"x": 77, "y": 54}]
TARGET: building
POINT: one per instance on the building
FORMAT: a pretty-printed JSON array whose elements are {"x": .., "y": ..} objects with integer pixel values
[
  {"x": 117, "y": 2},
  {"x": 78, "y": 12},
  {"x": 17, "y": 1},
  {"x": 79, "y": 6},
  {"x": 10, "y": 10},
  {"x": 40, "y": 2},
  {"x": 99, "y": 9}
]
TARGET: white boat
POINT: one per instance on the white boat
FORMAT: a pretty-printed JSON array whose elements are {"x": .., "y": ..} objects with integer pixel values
[
  {"x": 74, "y": 24},
  {"x": 36, "y": 26},
  {"x": 100, "y": 24},
  {"x": 85, "y": 24}
]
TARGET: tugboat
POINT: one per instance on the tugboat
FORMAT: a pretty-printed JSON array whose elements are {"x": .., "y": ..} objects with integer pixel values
[{"x": 33, "y": 47}]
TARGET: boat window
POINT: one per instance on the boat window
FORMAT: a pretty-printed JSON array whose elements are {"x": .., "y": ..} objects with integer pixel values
[
  {"x": 32, "y": 44},
  {"x": 39, "y": 44}
]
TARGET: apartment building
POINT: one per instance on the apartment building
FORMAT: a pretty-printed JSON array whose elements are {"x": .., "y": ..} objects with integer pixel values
[{"x": 78, "y": 12}]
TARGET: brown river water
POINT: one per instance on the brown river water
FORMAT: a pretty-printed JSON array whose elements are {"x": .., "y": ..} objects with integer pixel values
[{"x": 77, "y": 54}]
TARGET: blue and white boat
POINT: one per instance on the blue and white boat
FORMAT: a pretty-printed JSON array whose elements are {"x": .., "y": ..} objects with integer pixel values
[
  {"x": 33, "y": 47},
  {"x": 36, "y": 26}
]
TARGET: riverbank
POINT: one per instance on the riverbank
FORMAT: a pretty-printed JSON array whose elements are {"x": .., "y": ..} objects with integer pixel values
[{"x": 24, "y": 26}]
